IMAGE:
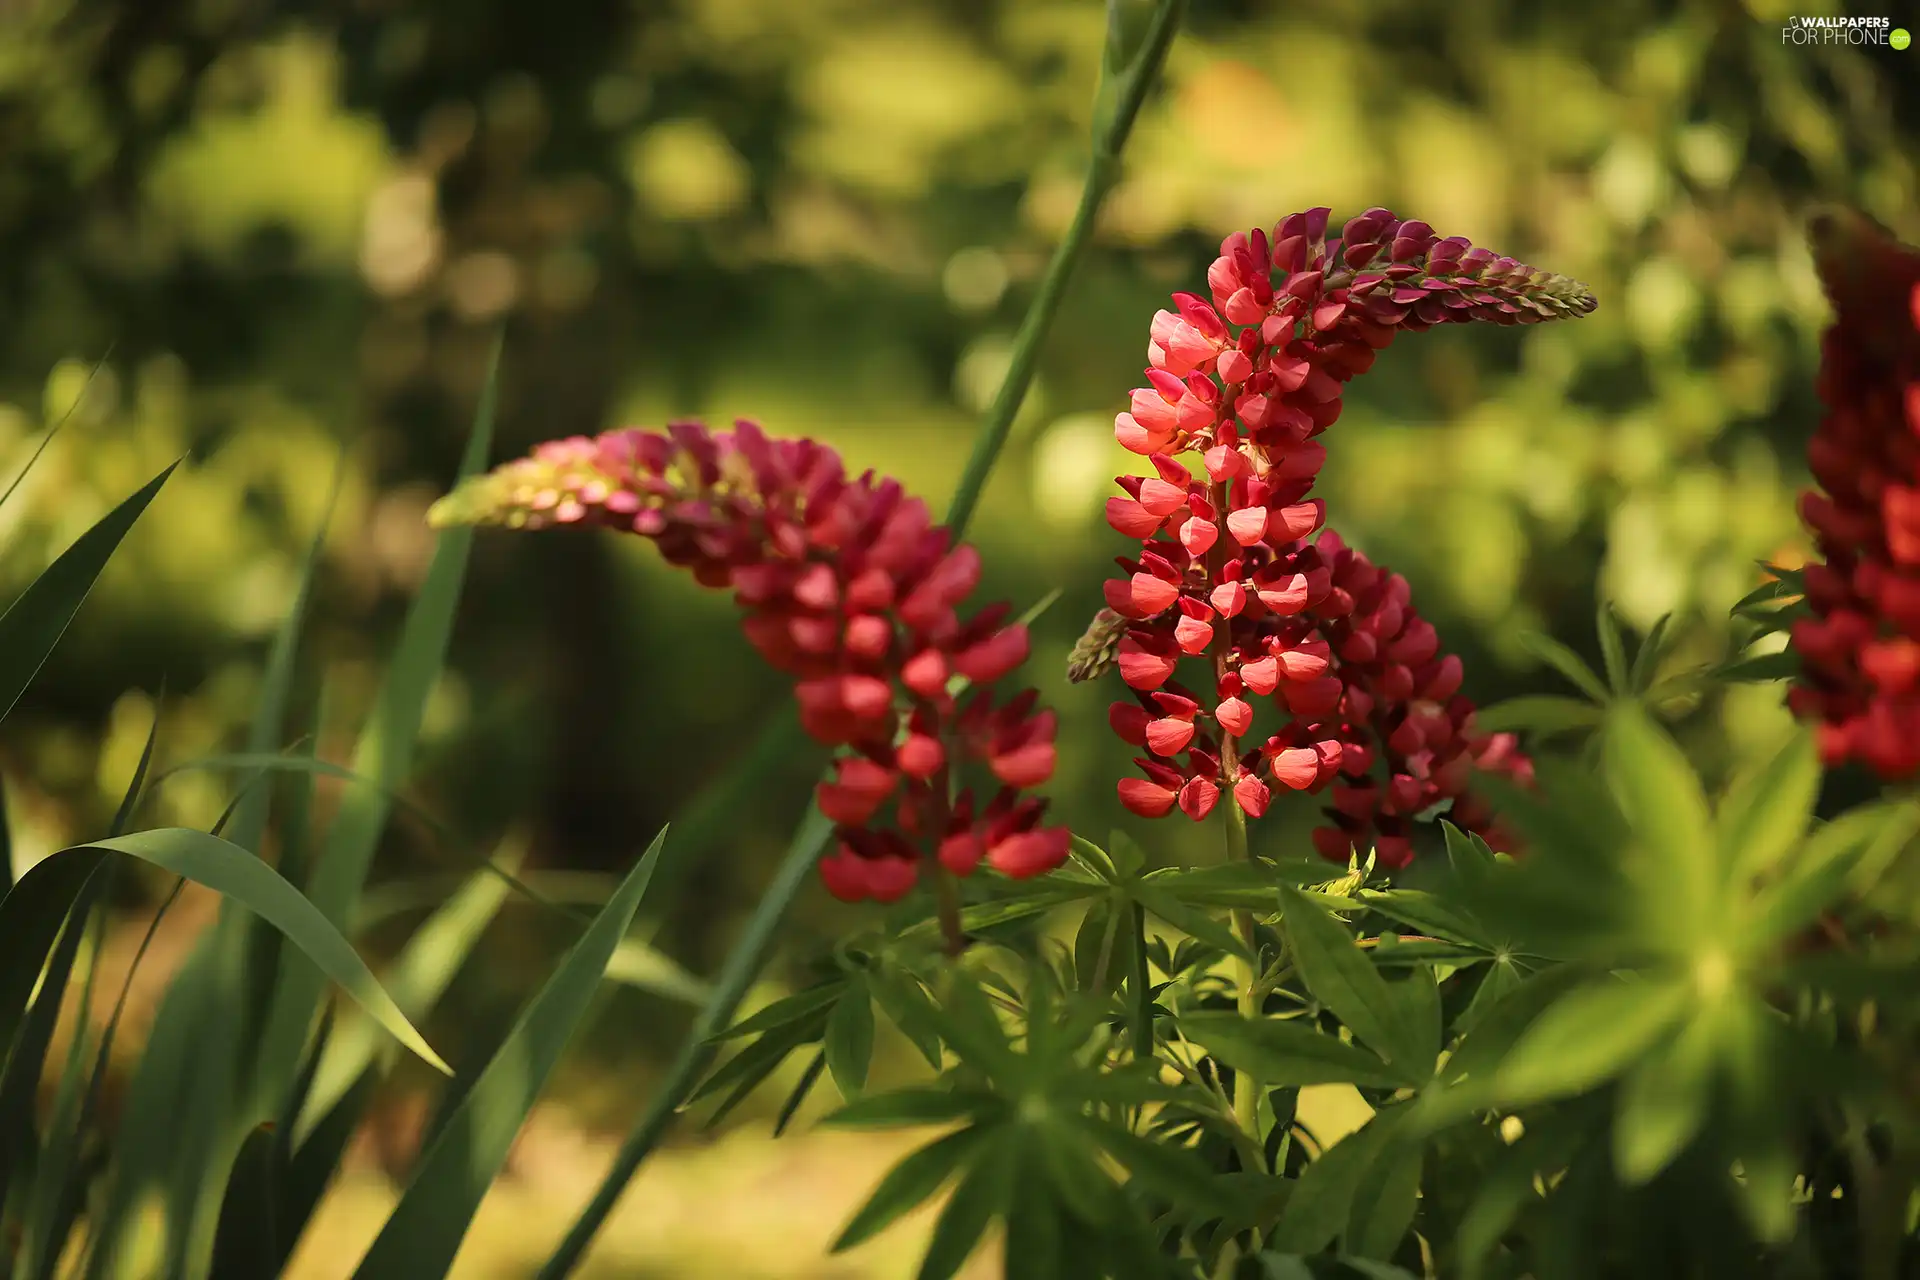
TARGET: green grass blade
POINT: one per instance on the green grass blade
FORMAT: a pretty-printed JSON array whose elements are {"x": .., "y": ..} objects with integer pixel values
[
  {"x": 55, "y": 1187},
  {"x": 417, "y": 980},
  {"x": 35, "y": 622},
  {"x": 424, "y": 1232},
  {"x": 6, "y": 844},
  {"x": 246, "y": 1245},
  {"x": 384, "y": 752},
  {"x": 742, "y": 965},
  {"x": 58, "y": 424},
  {"x": 20, "y": 1080},
  {"x": 239, "y": 876},
  {"x": 307, "y": 764}
]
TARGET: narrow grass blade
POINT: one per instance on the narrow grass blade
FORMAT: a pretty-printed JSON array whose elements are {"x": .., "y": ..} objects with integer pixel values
[
  {"x": 385, "y": 753},
  {"x": 34, "y": 623},
  {"x": 424, "y": 1232},
  {"x": 238, "y": 875},
  {"x": 743, "y": 963},
  {"x": 419, "y": 977},
  {"x": 62, "y": 421},
  {"x": 246, "y": 1246}
]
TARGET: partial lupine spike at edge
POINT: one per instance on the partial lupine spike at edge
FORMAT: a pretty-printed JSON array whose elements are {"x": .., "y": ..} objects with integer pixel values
[
  {"x": 1859, "y": 646},
  {"x": 1230, "y": 571},
  {"x": 850, "y": 588}
]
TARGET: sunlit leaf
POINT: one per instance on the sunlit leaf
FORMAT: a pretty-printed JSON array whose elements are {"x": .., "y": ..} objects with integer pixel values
[{"x": 1590, "y": 1035}]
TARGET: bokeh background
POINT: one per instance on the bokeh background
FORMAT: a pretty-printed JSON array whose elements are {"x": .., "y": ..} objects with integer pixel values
[{"x": 287, "y": 233}]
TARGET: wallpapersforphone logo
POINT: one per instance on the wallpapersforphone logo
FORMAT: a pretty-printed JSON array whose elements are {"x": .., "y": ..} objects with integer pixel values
[{"x": 1856, "y": 31}]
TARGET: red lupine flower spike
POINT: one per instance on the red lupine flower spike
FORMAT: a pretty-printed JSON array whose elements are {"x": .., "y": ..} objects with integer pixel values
[
  {"x": 1246, "y": 379},
  {"x": 848, "y": 586},
  {"x": 1858, "y": 650}
]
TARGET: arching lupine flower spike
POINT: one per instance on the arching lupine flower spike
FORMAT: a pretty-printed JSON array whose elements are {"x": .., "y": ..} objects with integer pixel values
[
  {"x": 1228, "y": 576},
  {"x": 1860, "y": 651},
  {"x": 849, "y": 587}
]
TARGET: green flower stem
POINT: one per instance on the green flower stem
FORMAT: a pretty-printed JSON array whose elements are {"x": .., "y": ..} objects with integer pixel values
[
  {"x": 1246, "y": 976},
  {"x": 742, "y": 965},
  {"x": 1142, "y": 1036},
  {"x": 1103, "y": 170},
  {"x": 749, "y": 954}
]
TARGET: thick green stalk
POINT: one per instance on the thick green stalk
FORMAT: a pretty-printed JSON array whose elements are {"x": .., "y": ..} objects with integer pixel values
[
  {"x": 1246, "y": 975},
  {"x": 1103, "y": 170},
  {"x": 736, "y": 975},
  {"x": 749, "y": 954}
]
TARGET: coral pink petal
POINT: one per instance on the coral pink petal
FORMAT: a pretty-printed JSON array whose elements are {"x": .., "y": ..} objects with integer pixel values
[
  {"x": 1296, "y": 768},
  {"x": 1169, "y": 736},
  {"x": 1247, "y": 525},
  {"x": 1145, "y": 798}
]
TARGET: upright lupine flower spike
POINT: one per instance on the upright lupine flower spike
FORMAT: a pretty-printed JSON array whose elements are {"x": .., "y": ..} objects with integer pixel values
[
  {"x": 849, "y": 587},
  {"x": 1227, "y": 574},
  {"x": 1860, "y": 651}
]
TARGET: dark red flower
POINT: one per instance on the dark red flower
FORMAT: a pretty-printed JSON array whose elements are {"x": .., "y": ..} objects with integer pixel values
[
  {"x": 1860, "y": 650},
  {"x": 1228, "y": 570},
  {"x": 848, "y": 586}
]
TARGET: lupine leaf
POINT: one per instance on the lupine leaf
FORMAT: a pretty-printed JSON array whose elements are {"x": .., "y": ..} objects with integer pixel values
[
  {"x": 1194, "y": 923},
  {"x": 748, "y": 1069},
  {"x": 849, "y": 1038},
  {"x": 1034, "y": 1249},
  {"x": 1128, "y": 857},
  {"x": 900, "y": 997},
  {"x": 1766, "y": 812},
  {"x": 423, "y": 1234},
  {"x": 798, "y": 1094},
  {"x": 1646, "y": 663},
  {"x": 920, "y": 1105},
  {"x": 1289, "y": 1052},
  {"x": 1322, "y": 1202},
  {"x": 1092, "y": 857},
  {"x": 981, "y": 1195},
  {"x": 910, "y": 1184},
  {"x": 1828, "y": 859},
  {"x": 1384, "y": 1206},
  {"x": 1660, "y": 797},
  {"x": 1588, "y": 1036},
  {"x": 1566, "y": 662},
  {"x": 1544, "y": 714},
  {"x": 1662, "y": 1104},
  {"x": 786, "y": 1009},
  {"x": 1759, "y": 669},
  {"x": 1429, "y": 914},
  {"x": 1613, "y": 649},
  {"x": 1340, "y": 976}
]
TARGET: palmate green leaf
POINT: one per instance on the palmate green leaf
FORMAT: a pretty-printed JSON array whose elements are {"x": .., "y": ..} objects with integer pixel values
[
  {"x": 1766, "y": 812},
  {"x": 1098, "y": 961},
  {"x": 1430, "y": 914},
  {"x": 748, "y": 1070},
  {"x": 424, "y": 1232},
  {"x": 1384, "y": 1205},
  {"x": 1589, "y": 1035},
  {"x": 910, "y": 1184},
  {"x": 436, "y": 952},
  {"x": 980, "y": 1197},
  {"x": 1762, "y": 668},
  {"x": 1545, "y": 714},
  {"x": 1093, "y": 859},
  {"x": 1564, "y": 660},
  {"x": 1128, "y": 857},
  {"x": 1646, "y": 663},
  {"x": 1289, "y": 1052},
  {"x": 1250, "y": 884},
  {"x": 906, "y": 1006},
  {"x": 1417, "y": 997},
  {"x": 1506, "y": 1187},
  {"x": 1341, "y": 977},
  {"x": 918, "y": 1105},
  {"x": 1660, "y": 797},
  {"x": 849, "y": 1038},
  {"x": 1819, "y": 873},
  {"x": 787, "y": 1009},
  {"x": 1322, "y": 1204},
  {"x": 809, "y": 1077},
  {"x": 36, "y": 620},
  {"x": 1189, "y": 920},
  {"x": 1035, "y": 1248},
  {"x": 1172, "y": 1173},
  {"x": 1613, "y": 649},
  {"x": 1662, "y": 1103}
]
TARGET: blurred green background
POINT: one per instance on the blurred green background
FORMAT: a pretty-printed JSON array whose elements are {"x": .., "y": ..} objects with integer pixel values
[{"x": 296, "y": 228}]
